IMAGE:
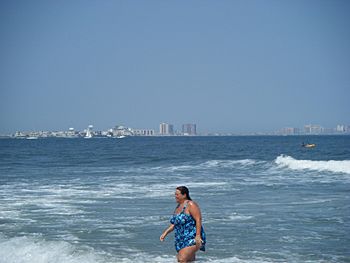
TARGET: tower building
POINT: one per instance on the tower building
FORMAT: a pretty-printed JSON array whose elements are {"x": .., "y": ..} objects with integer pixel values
[
  {"x": 166, "y": 129},
  {"x": 189, "y": 129}
]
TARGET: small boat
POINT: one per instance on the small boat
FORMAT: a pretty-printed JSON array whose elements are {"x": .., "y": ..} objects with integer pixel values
[
  {"x": 32, "y": 138},
  {"x": 309, "y": 145},
  {"x": 89, "y": 134}
]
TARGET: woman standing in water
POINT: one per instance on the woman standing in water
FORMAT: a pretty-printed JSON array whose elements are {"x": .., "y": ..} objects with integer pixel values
[{"x": 187, "y": 223}]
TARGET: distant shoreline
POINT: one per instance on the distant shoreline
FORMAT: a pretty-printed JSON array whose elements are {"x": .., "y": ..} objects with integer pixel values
[{"x": 172, "y": 136}]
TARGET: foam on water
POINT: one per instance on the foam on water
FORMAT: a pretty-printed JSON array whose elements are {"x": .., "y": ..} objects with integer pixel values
[
  {"x": 35, "y": 249},
  {"x": 329, "y": 166},
  {"x": 224, "y": 219},
  {"x": 29, "y": 250},
  {"x": 238, "y": 260},
  {"x": 211, "y": 164}
]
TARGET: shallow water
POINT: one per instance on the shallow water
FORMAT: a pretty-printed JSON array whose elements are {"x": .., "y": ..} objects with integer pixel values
[{"x": 263, "y": 199}]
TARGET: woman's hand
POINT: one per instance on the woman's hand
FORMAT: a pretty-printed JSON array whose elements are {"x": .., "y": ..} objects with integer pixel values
[
  {"x": 162, "y": 237},
  {"x": 198, "y": 240},
  {"x": 166, "y": 232}
]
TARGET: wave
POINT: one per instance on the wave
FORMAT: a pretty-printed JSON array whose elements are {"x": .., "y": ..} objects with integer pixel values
[
  {"x": 29, "y": 249},
  {"x": 185, "y": 166},
  {"x": 36, "y": 249},
  {"x": 211, "y": 164},
  {"x": 329, "y": 166},
  {"x": 58, "y": 201},
  {"x": 230, "y": 163}
]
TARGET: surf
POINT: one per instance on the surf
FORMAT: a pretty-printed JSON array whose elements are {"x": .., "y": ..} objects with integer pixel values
[{"x": 334, "y": 166}]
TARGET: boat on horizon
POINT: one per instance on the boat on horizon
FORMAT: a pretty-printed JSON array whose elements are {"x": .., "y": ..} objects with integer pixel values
[
  {"x": 88, "y": 134},
  {"x": 32, "y": 138},
  {"x": 308, "y": 145}
]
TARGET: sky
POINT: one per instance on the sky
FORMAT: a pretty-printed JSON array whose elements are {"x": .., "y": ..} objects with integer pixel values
[{"x": 228, "y": 66}]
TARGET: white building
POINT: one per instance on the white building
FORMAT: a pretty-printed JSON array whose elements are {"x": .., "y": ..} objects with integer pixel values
[
  {"x": 313, "y": 129},
  {"x": 289, "y": 131},
  {"x": 166, "y": 129},
  {"x": 144, "y": 132},
  {"x": 341, "y": 128}
]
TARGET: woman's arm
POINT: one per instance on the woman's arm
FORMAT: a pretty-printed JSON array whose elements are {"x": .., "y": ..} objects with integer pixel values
[
  {"x": 196, "y": 214},
  {"x": 166, "y": 232}
]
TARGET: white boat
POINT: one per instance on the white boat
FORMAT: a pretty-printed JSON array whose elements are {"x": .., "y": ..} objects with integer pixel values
[
  {"x": 88, "y": 135},
  {"x": 121, "y": 136},
  {"x": 32, "y": 138},
  {"x": 88, "y": 132}
]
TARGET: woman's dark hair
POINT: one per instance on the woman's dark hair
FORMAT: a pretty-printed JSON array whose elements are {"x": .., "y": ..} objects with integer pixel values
[{"x": 184, "y": 190}]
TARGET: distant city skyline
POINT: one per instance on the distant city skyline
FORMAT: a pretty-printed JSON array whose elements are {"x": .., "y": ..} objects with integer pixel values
[
  {"x": 228, "y": 66},
  {"x": 186, "y": 129}
]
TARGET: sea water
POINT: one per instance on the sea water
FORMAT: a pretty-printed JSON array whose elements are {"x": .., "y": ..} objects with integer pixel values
[{"x": 263, "y": 199}]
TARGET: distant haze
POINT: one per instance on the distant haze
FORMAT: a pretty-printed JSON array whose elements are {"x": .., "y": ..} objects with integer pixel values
[{"x": 228, "y": 66}]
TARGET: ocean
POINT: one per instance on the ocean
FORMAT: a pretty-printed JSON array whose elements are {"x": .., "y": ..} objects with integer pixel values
[{"x": 263, "y": 198}]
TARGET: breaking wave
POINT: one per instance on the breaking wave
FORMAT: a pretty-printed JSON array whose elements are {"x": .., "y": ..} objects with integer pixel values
[
  {"x": 27, "y": 249},
  {"x": 35, "y": 249},
  {"x": 329, "y": 166},
  {"x": 212, "y": 164}
]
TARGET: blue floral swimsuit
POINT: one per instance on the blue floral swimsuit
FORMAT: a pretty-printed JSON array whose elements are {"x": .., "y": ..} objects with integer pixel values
[{"x": 185, "y": 230}]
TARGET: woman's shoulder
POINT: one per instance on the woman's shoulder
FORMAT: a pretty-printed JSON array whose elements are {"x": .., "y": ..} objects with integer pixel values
[{"x": 192, "y": 203}]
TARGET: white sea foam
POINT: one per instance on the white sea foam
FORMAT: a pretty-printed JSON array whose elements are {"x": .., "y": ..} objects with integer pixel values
[
  {"x": 211, "y": 164},
  {"x": 28, "y": 250},
  {"x": 229, "y": 218},
  {"x": 330, "y": 166},
  {"x": 237, "y": 260},
  {"x": 54, "y": 201},
  {"x": 237, "y": 217},
  {"x": 231, "y": 163},
  {"x": 38, "y": 250},
  {"x": 63, "y": 201}
]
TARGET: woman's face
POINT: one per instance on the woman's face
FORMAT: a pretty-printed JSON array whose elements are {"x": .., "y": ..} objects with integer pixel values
[{"x": 179, "y": 197}]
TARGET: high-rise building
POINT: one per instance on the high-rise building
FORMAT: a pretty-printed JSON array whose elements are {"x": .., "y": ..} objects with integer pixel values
[
  {"x": 189, "y": 129},
  {"x": 289, "y": 131},
  {"x": 313, "y": 129},
  {"x": 341, "y": 128},
  {"x": 166, "y": 129}
]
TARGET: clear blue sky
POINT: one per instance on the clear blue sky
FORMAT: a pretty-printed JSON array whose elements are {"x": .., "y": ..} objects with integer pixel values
[{"x": 229, "y": 66}]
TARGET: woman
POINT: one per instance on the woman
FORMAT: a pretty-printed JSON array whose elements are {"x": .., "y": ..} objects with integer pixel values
[{"x": 187, "y": 223}]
